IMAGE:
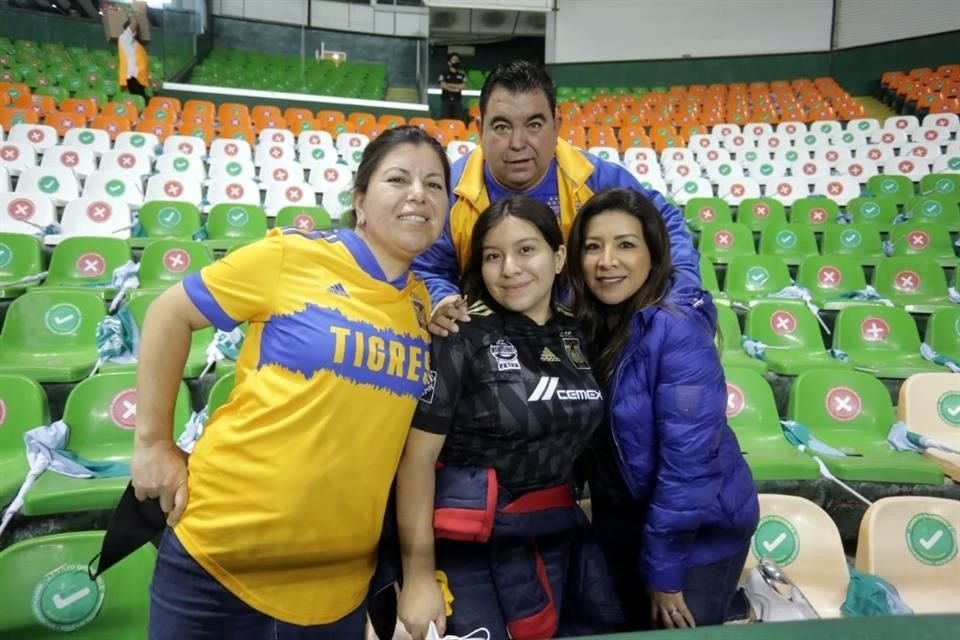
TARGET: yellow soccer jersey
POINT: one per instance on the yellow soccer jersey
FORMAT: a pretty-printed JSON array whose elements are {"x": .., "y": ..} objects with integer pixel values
[{"x": 289, "y": 483}]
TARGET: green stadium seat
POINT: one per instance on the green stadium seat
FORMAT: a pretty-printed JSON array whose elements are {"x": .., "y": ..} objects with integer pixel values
[
  {"x": 232, "y": 225},
  {"x": 828, "y": 278},
  {"x": 87, "y": 263},
  {"x": 752, "y": 278},
  {"x": 815, "y": 211},
  {"x": 162, "y": 219},
  {"x": 167, "y": 262},
  {"x": 851, "y": 411},
  {"x": 728, "y": 341},
  {"x": 943, "y": 332},
  {"x": 48, "y": 593},
  {"x": 101, "y": 414},
  {"x": 752, "y": 414},
  {"x": 220, "y": 392},
  {"x": 925, "y": 240},
  {"x": 199, "y": 341},
  {"x": 757, "y": 213},
  {"x": 939, "y": 209},
  {"x": 721, "y": 242},
  {"x": 21, "y": 256},
  {"x": 700, "y": 211},
  {"x": 792, "y": 243},
  {"x": 304, "y": 218},
  {"x": 945, "y": 184},
  {"x": 882, "y": 341},
  {"x": 861, "y": 241},
  {"x": 49, "y": 335},
  {"x": 898, "y": 189},
  {"x": 791, "y": 333},
  {"x": 914, "y": 283},
  {"x": 23, "y": 406},
  {"x": 879, "y": 211},
  {"x": 708, "y": 279}
]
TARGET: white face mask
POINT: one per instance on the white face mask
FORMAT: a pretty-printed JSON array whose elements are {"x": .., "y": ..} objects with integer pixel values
[{"x": 477, "y": 634}]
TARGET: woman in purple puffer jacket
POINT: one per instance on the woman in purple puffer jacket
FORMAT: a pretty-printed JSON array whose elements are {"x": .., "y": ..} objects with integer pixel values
[{"x": 673, "y": 500}]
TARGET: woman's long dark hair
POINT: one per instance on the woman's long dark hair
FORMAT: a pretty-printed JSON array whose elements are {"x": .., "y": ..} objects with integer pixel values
[
  {"x": 524, "y": 208},
  {"x": 606, "y": 340}
]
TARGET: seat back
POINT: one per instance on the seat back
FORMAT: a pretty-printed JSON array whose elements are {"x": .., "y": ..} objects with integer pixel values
[
  {"x": 304, "y": 218},
  {"x": 166, "y": 219},
  {"x": 839, "y": 402},
  {"x": 802, "y": 539},
  {"x": 23, "y": 406},
  {"x": 815, "y": 211},
  {"x": 20, "y": 256},
  {"x": 220, "y": 393},
  {"x": 699, "y": 211},
  {"x": 233, "y": 191},
  {"x": 166, "y": 262},
  {"x": 860, "y": 241},
  {"x": 935, "y": 208},
  {"x": 101, "y": 412},
  {"x": 757, "y": 213},
  {"x": 929, "y": 404},
  {"x": 872, "y": 210},
  {"x": 47, "y": 591},
  {"x": 912, "y": 542},
  {"x": 236, "y": 222},
  {"x": 831, "y": 276},
  {"x": 943, "y": 332},
  {"x": 78, "y": 159},
  {"x": 751, "y": 406},
  {"x": 174, "y": 187},
  {"x": 876, "y": 328},
  {"x": 898, "y": 189},
  {"x": 52, "y": 322},
  {"x": 57, "y": 183},
  {"x": 910, "y": 279},
  {"x": 784, "y": 325},
  {"x": 722, "y": 242},
  {"x": 790, "y": 242},
  {"x": 96, "y": 218},
  {"x": 85, "y": 261},
  {"x": 752, "y": 277}
]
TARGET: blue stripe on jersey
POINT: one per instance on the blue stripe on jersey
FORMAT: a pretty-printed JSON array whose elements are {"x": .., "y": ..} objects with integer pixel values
[
  {"x": 206, "y": 304},
  {"x": 365, "y": 258},
  {"x": 324, "y": 339}
]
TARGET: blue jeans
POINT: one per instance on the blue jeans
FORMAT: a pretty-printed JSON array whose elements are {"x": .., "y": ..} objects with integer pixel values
[
  {"x": 187, "y": 603},
  {"x": 710, "y": 591}
]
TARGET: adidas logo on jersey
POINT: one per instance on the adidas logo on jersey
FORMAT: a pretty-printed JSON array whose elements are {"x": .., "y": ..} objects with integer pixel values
[
  {"x": 338, "y": 290},
  {"x": 546, "y": 389},
  {"x": 548, "y": 356}
]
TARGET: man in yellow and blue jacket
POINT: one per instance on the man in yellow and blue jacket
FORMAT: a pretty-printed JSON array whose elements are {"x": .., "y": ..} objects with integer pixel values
[{"x": 520, "y": 153}]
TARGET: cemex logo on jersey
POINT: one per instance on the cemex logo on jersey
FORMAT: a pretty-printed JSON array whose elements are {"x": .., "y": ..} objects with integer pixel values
[{"x": 546, "y": 389}]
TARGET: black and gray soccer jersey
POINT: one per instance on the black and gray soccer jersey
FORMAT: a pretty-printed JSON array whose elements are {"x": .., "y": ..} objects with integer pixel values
[{"x": 512, "y": 395}]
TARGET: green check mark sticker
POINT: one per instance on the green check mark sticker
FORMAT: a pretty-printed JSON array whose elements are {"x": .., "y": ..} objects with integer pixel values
[
  {"x": 787, "y": 239},
  {"x": 62, "y": 319},
  {"x": 86, "y": 137},
  {"x": 850, "y": 238},
  {"x": 169, "y": 217},
  {"x": 49, "y": 184},
  {"x": 757, "y": 276},
  {"x": 237, "y": 217},
  {"x": 931, "y": 539},
  {"x": 776, "y": 539},
  {"x": 234, "y": 168},
  {"x": 138, "y": 140},
  {"x": 67, "y": 599},
  {"x": 6, "y": 255},
  {"x": 948, "y": 407},
  {"x": 932, "y": 208},
  {"x": 115, "y": 188},
  {"x": 181, "y": 164}
]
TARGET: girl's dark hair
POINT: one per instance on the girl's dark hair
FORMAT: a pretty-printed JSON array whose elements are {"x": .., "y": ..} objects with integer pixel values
[
  {"x": 533, "y": 211},
  {"x": 386, "y": 142},
  {"x": 607, "y": 342}
]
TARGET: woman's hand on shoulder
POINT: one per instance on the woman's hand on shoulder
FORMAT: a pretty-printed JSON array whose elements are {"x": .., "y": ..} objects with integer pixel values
[
  {"x": 421, "y": 602},
  {"x": 447, "y": 314}
]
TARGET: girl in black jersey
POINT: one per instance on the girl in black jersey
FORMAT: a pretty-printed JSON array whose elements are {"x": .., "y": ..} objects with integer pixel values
[{"x": 484, "y": 500}]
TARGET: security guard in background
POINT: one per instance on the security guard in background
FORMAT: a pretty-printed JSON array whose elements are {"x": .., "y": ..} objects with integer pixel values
[{"x": 452, "y": 81}]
